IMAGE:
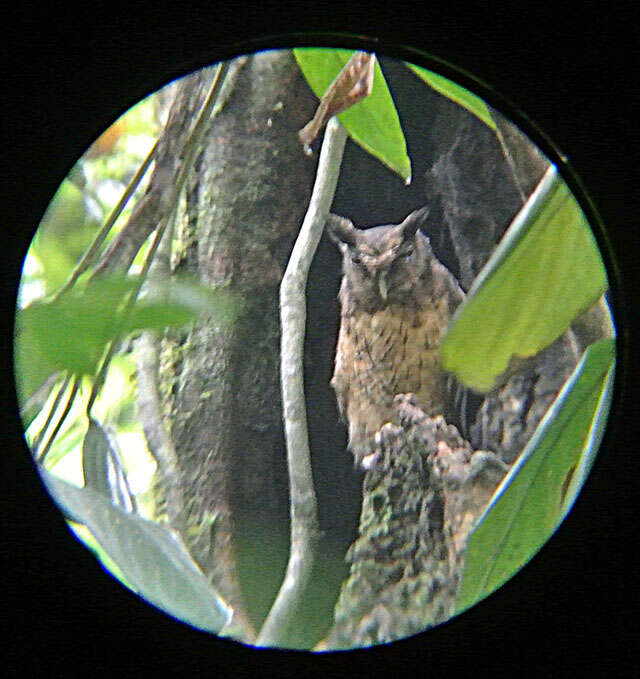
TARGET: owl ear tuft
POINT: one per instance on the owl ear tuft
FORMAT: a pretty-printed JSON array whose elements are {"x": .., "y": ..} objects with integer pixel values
[
  {"x": 414, "y": 221},
  {"x": 341, "y": 230}
]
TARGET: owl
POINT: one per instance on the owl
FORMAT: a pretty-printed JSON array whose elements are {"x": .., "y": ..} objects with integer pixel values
[{"x": 396, "y": 301}]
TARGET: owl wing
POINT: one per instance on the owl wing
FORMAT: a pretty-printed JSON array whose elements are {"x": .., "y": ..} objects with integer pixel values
[
  {"x": 339, "y": 381},
  {"x": 341, "y": 399},
  {"x": 461, "y": 402}
]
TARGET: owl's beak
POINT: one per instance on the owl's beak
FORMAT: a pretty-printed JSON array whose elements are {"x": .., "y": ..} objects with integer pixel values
[{"x": 382, "y": 284}]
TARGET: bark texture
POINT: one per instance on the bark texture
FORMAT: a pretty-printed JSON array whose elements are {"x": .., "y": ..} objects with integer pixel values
[
  {"x": 478, "y": 182},
  {"x": 244, "y": 204},
  {"x": 420, "y": 501}
]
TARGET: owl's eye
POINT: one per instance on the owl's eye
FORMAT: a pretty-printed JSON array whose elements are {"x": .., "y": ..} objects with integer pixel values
[
  {"x": 355, "y": 258},
  {"x": 406, "y": 255}
]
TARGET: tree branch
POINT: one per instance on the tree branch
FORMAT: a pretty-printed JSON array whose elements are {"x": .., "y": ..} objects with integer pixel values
[
  {"x": 420, "y": 502},
  {"x": 304, "y": 521},
  {"x": 174, "y": 157}
]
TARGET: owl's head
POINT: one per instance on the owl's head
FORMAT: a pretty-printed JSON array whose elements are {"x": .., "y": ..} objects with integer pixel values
[{"x": 382, "y": 264}]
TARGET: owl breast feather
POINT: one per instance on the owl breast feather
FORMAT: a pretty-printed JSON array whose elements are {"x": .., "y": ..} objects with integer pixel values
[{"x": 381, "y": 354}]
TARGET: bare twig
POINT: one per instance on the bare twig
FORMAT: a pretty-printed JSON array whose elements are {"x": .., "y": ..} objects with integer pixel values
[
  {"x": 42, "y": 454},
  {"x": 304, "y": 521},
  {"x": 190, "y": 147},
  {"x": 164, "y": 186},
  {"x": 93, "y": 248},
  {"x": 52, "y": 410}
]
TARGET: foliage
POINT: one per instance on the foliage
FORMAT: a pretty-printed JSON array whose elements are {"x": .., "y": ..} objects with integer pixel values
[
  {"x": 456, "y": 93},
  {"x": 65, "y": 231},
  {"x": 532, "y": 499},
  {"x": 151, "y": 558},
  {"x": 86, "y": 196},
  {"x": 373, "y": 123},
  {"x": 72, "y": 331},
  {"x": 546, "y": 270}
]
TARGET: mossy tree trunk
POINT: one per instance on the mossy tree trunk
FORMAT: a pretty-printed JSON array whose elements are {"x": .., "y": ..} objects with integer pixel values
[{"x": 245, "y": 200}]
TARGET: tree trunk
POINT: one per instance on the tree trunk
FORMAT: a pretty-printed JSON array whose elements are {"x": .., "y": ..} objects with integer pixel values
[{"x": 242, "y": 211}]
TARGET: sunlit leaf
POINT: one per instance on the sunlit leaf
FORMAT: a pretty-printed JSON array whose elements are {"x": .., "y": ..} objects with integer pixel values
[
  {"x": 69, "y": 333},
  {"x": 152, "y": 558},
  {"x": 546, "y": 270},
  {"x": 574, "y": 481},
  {"x": 373, "y": 122},
  {"x": 531, "y": 501},
  {"x": 456, "y": 93},
  {"x": 181, "y": 302}
]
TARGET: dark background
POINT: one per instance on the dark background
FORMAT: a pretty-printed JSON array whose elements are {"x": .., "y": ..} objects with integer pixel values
[{"x": 70, "y": 76}]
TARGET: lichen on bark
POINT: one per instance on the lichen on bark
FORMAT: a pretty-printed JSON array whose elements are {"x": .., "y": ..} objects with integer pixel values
[
  {"x": 420, "y": 501},
  {"x": 243, "y": 205}
]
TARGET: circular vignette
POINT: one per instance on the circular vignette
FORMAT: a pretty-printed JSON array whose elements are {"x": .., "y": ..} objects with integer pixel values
[{"x": 567, "y": 175}]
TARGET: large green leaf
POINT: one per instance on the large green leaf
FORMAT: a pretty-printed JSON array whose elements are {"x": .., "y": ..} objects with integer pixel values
[
  {"x": 71, "y": 332},
  {"x": 456, "y": 93},
  {"x": 373, "y": 122},
  {"x": 152, "y": 558},
  {"x": 546, "y": 270},
  {"x": 532, "y": 499}
]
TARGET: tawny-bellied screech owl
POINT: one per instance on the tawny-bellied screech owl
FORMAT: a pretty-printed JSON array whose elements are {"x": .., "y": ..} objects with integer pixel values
[{"x": 396, "y": 302}]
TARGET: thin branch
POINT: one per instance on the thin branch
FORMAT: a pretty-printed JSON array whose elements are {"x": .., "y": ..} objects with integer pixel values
[
  {"x": 190, "y": 147},
  {"x": 99, "y": 380},
  {"x": 72, "y": 394},
  {"x": 91, "y": 251},
  {"x": 54, "y": 407},
  {"x": 304, "y": 521},
  {"x": 164, "y": 188}
]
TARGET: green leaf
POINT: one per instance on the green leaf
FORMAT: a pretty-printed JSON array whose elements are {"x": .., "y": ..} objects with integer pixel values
[
  {"x": 546, "y": 270},
  {"x": 373, "y": 123},
  {"x": 72, "y": 332},
  {"x": 456, "y": 93},
  {"x": 152, "y": 558},
  {"x": 179, "y": 303},
  {"x": 578, "y": 475},
  {"x": 69, "y": 333},
  {"x": 532, "y": 499}
]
